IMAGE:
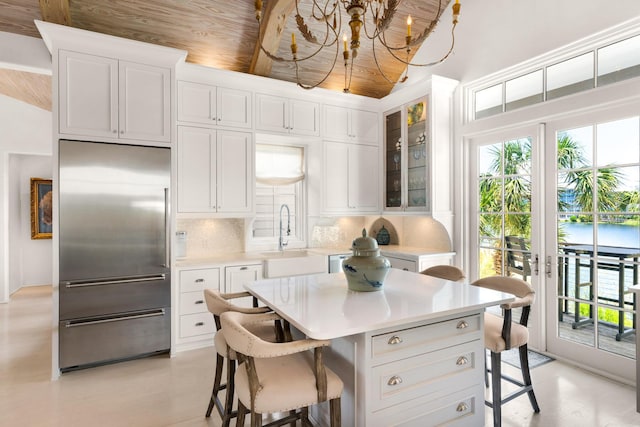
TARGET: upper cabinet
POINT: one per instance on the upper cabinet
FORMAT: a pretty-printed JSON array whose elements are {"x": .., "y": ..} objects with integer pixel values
[
  {"x": 350, "y": 184},
  {"x": 215, "y": 171},
  {"x": 110, "y": 98},
  {"x": 293, "y": 116},
  {"x": 417, "y": 153},
  {"x": 408, "y": 157},
  {"x": 350, "y": 125},
  {"x": 212, "y": 105}
]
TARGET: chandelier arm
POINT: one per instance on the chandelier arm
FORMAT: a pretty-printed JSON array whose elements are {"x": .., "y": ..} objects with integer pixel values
[
  {"x": 453, "y": 40},
  {"x": 375, "y": 59},
  {"x": 302, "y": 85}
]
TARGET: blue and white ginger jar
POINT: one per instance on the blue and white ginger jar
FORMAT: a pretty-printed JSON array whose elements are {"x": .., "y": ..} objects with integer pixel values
[{"x": 366, "y": 269}]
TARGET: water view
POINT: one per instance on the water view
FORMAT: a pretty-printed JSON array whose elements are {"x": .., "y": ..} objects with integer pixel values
[{"x": 608, "y": 234}]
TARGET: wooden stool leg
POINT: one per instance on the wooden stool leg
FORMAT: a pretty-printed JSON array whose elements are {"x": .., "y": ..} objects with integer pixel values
[
  {"x": 216, "y": 384},
  {"x": 228, "y": 401},
  {"x": 496, "y": 376},
  {"x": 242, "y": 410},
  {"x": 526, "y": 376},
  {"x": 335, "y": 411}
]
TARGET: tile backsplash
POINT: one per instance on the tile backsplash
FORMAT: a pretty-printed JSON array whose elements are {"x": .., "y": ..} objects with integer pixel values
[{"x": 212, "y": 237}]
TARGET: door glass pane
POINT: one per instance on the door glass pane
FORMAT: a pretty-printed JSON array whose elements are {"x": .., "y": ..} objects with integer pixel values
[
  {"x": 504, "y": 199},
  {"x": 393, "y": 158},
  {"x": 619, "y": 61},
  {"x": 570, "y": 76},
  {"x": 417, "y": 151},
  {"x": 599, "y": 234}
]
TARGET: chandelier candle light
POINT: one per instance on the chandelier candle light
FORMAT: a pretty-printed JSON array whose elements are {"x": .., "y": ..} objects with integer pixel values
[{"x": 374, "y": 16}]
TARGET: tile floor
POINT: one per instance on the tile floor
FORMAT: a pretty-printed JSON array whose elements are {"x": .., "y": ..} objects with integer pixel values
[{"x": 163, "y": 391}]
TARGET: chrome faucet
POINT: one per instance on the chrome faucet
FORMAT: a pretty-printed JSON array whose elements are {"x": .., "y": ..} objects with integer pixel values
[{"x": 281, "y": 243}]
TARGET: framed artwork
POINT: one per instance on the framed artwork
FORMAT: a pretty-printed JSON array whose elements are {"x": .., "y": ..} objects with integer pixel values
[{"x": 41, "y": 208}]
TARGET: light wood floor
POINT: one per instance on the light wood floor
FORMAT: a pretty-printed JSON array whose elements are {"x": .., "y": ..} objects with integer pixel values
[{"x": 163, "y": 391}]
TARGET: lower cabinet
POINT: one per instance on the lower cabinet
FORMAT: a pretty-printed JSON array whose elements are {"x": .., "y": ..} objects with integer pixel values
[
  {"x": 237, "y": 275},
  {"x": 196, "y": 326},
  {"x": 418, "y": 263},
  {"x": 194, "y": 320}
]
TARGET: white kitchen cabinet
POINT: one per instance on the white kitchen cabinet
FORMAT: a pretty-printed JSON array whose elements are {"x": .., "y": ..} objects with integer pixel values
[
  {"x": 293, "y": 116},
  {"x": 195, "y": 322},
  {"x": 350, "y": 184},
  {"x": 237, "y": 275},
  {"x": 212, "y": 105},
  {"x": 417, "y": 153},
  {"x": 105, "y": 97},
  {"x": 350, "y": 125},
  {"x": 215, "y": 171},
  {"x": 417, "y": 263},
  {"x": 403, "y": 264}
]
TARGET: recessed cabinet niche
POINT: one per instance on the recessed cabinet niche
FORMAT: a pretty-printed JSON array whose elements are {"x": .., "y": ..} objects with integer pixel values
[
  {"x": 215, "y": 171},
  {"x": 212, "y": 105},
  {"x": 109, "y": 98}
]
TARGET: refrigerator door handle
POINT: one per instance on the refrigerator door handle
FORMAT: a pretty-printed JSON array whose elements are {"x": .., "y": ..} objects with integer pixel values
[
  {"x": 73, "y": 324},
  {"x": 167, "y": 231},
  {"x": 153, "y": 278}
]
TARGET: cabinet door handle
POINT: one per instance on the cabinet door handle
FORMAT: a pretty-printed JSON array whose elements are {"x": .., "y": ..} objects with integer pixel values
[
  {"x": 462, "y": 325},
  {"x": 115, "y": 131},
  {"x": 199, "y": 302},
  {"x": 462, "y": 361},
  {"x": 462, "y": 407},
  {"x": 244, "y": 268},
  {"x": 200, "y": 324},
  {"x": 199, "y": 280},
  {"x": 394, "y": 380},
  {"x": 394, "y": 340}
]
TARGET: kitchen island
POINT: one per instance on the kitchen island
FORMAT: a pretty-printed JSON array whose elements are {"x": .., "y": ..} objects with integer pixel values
[{"x": 410, "y": 354}]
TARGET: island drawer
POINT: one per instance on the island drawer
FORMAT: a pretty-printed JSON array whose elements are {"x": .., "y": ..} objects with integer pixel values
[
  {"x": 464, "y": 408},
  {"x": 430, "y": 374},
  {"x": 196, "y": 324},
  {"x": 421, "y": 339},
  {"x": 199, "y": 279}
]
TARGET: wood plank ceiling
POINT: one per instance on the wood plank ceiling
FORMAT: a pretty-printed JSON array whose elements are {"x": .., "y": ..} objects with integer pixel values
[{"x": 223, "y": 34}]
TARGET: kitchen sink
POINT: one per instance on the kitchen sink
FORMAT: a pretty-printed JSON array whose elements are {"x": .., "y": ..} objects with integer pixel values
[{"x": 293, "y": 263}]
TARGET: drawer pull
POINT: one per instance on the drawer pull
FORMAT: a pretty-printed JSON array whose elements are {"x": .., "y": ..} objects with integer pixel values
[
  {"x": 462, "y": 325},
  {"x": 199, "y": 280},
  {"x": 462, "y": 407},
  {"x": 244, "y": 268},
  {"x": 200, "y": 324},
  {"x": 394, "y": 380},
  {"x": 199, "y": 302},
  {"x": 394, "y": 340},
  {"x": 462, "y": 361}
]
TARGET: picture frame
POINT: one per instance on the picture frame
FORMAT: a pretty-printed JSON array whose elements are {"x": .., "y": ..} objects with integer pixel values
[{"x": 41, "y": 208}]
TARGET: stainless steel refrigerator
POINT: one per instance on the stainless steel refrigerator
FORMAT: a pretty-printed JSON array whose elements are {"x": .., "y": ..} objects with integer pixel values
[{"x": 115, "y": 281}]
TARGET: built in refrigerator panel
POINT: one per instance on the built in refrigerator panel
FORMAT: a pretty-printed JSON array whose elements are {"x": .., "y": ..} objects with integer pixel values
[{"x": 114, "y": 210}]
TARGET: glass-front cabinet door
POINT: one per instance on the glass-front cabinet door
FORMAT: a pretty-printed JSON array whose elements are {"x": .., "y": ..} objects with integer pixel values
[{"x": 407, "y": 143}]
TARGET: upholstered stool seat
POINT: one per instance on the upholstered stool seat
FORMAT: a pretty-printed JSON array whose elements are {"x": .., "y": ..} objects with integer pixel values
[
  {"x": 444, "y": 271},
  {"x": 219, "y": 303},
  {"x": 501, "y": 333},
  {"x": 279, "y": 377}
]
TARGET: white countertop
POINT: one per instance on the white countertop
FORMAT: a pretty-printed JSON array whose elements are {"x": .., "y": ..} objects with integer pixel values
[
  {"x": 322, "y": 307},
  {"x": 406, "y": 252}
]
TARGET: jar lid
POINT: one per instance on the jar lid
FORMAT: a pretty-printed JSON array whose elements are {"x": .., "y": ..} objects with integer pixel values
[{"x": 364, "y": 246}]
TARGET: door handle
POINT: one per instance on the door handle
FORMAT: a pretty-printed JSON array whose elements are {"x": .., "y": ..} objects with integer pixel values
[
  {"x": 547, "y": 267},
  {"x": 536, "y": 262}
]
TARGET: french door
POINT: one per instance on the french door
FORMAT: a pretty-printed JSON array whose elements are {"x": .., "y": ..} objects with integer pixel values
[
  {"x": 592, "y": 238},
  {"x": 505, "y": 226}
]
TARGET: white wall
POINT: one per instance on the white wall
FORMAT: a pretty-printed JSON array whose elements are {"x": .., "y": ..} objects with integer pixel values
[
  {"x": 33, "y": 265},
  {"x": 26, "y": 130}
]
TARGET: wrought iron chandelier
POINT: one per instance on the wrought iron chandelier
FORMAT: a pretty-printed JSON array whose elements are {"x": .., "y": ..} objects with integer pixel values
[{"x": 374, "y": 16}]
